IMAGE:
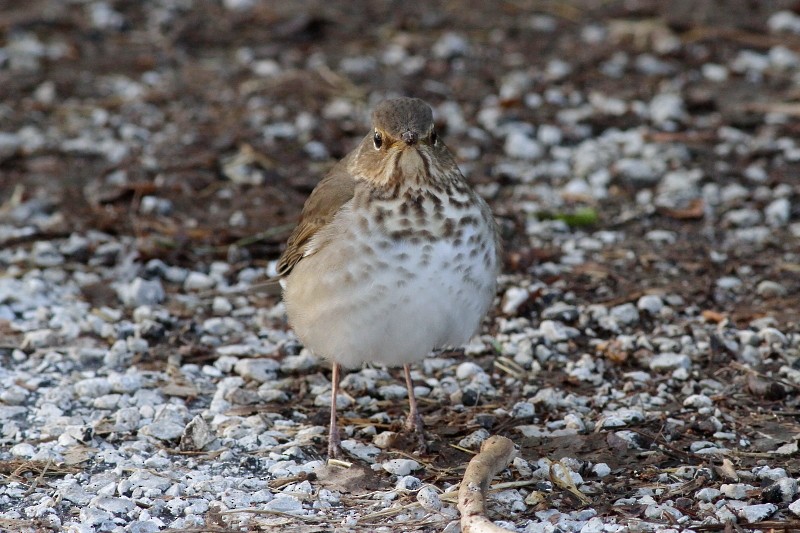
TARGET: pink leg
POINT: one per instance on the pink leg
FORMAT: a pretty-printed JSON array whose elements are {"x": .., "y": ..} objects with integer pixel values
[
  {"x": 334, "y": 441},
  {"x": 414, "y": 420}
]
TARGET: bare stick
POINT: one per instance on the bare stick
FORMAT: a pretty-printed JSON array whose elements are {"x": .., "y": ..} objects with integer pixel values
[{"x": 496, "y": 452}]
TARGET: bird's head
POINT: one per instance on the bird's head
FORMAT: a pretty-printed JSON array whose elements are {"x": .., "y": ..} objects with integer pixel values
[{"x": 403, "y": 146}]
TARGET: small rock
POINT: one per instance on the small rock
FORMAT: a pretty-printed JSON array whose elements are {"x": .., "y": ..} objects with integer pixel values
[
  {"x": 155, "y": 205},
  {"x": 794, "y": 507},
  {"x": 365, "y": 452},
  {"x": 601, "y": 470},
  {"x": 708, "y": 494},
  {"x": 113, "y": 505},
  {"x": 23, "y": 449},
  {"x": 638, "y": 172},
  {"x": 400, "y": 467},
  {"x": 429, "y": 499},
  {"x": 523, "y": 410},
  {"x": 783, "y": 490},
  {"x": 625, "y": 313},
  {"x": 729, "y": 283},
  {"x": 260, "y": 370},
  {"x": 561, "y": 311},
  {"x": 778, "y": 212},
  {"x": 772, "y": 336},
  {"x": 519, "y": 145},
  {"x": 468, "y": 370},
  {"x": 735, "y": 491},
  {"x": 198, "y": 281},
  {"x": 384, "y": 439},
  {"x": 666, "y": 107},
  {"x": 513, "y": 298},
  {"x": 555, "y": 331},
  {"x": 622, "y": 418},
  {"x": 770, "y": 289},
  {"x": 91, "y": 388},
  {"x": 474, "y": 440},
  {"x": 670, "y": 361},
  {"x": 784, "y": 21},
  {"x": 163, "y": 430},
  {"x": 757, "y": 513},
  {"x": 392, "y": 392},
  {"x": 141, "y": 292},
  {"x": 39, "y": 338},
  {"x": 196, "y": 435},
  {"x": 650, "y": 303},
  {"x": 450, "y": 45},
  {"x": 284, "y": 503},
  {"x": 697, "y": 401},
  {"x": 408, "y": 483},
  {"x": 221, "y": 306}
]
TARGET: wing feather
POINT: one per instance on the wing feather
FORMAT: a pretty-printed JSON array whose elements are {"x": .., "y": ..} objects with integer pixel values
[{"x": 335, "y": 190}]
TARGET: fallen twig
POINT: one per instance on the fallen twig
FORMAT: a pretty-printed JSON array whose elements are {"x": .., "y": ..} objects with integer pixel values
[{"x": 496, "y": 452}]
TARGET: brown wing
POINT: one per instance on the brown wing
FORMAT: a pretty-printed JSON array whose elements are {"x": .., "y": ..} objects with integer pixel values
[{"x": 330, "y": 194}]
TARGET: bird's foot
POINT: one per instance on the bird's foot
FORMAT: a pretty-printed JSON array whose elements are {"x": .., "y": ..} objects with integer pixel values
[
  {"x": 414, "y": 424},
  {"x": 335, "y": 445}
]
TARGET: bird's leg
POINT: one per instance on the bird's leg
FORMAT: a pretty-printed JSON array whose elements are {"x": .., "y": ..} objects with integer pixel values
[
  {"x": 334, "y": 441},
  {"x": 414, "y": 420}
]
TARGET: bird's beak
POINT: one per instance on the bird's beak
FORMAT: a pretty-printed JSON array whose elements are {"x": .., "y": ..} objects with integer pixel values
[{"x": 409, "y": 137}]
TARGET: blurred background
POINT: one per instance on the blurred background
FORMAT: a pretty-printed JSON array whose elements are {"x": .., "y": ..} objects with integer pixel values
[{"x": 661, "y": 133}]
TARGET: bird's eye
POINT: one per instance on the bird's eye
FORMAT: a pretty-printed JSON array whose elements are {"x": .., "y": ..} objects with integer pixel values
[
  {"x": 434, "y": 138},
  {"x": 378, "y": 140}
]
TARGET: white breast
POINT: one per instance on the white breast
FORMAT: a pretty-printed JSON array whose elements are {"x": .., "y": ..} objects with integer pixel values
[{"x": 391, "y": 303}]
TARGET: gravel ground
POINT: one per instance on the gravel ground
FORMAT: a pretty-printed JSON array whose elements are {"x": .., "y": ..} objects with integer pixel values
[{"x": 644, "y": 350}]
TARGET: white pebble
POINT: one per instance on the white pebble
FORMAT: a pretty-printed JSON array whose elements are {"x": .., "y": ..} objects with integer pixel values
[
  {"x": 601, "y": 470},
  {"x": 757, "y": 513},
  {"x": 198, "y": 281},
  {"x": 519, "y": 145},
  {"x": 474, "y": 440},
  {"x": 670, "y": 361},
  {"x": 429, "y": 499},
  {"x": 400, "y": 467},
  {"x": 467, "y": 370},
  {"x": 735, "y": 491}
]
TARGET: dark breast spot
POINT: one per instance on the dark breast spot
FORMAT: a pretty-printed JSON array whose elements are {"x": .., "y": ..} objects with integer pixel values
[{"x": 448, "y": 227}]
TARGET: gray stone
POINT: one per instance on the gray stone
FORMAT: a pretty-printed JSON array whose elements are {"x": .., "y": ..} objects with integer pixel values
[
  {"x": 365, "y": 452},
  {"x": 519, "y": 145},
  {"x": 197, "y": 435},
  {"x": 260, "y": 370},
  {"x": 770, "y": 289},
  {"x": 666, "y": 107},
  {"x": 408, "y": 483},
  {"x": 651, "y": 304},
  {"x": 735, "y": 491},
  {"x": 757, "y": 513},
  {"x": 474, "y": 440},
  {"x": 555, "y": 331},
  {"x": 429, "y": 499},
  {"x": 400, "y": 467},
  {"x": 91, "y": 388},
  {"x": 198, "y": 281},
  {"x": 285, "y": 503},
  {"x": 626, "y": 313},
  {"x": 778, "y": 212},
  {"x": 141, "y": 292},
  {"x": 707, "y": 494},
  {"x": 670, "y": 361}
]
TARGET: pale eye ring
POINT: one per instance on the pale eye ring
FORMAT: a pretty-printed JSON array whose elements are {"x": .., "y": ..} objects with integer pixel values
[{"x": 377, "y": 140}]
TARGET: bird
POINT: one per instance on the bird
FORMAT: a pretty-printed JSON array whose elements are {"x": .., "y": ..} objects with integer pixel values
[{"x": 394, "y": 256}]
